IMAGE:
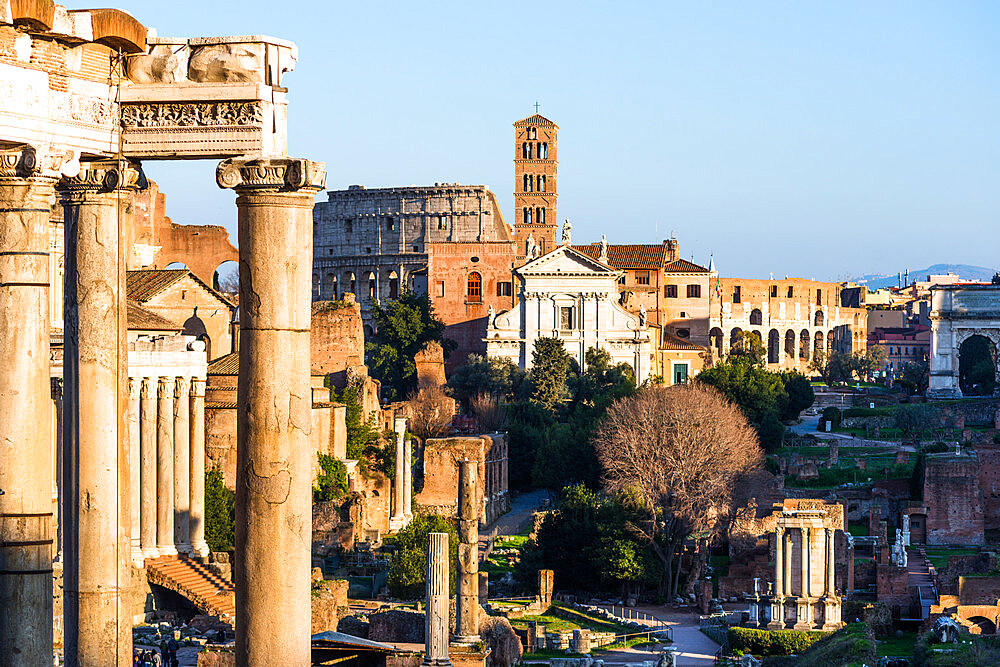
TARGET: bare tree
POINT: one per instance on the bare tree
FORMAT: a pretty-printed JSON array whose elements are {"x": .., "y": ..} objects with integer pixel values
[
  {"x": 489, "y": 413},
  {"x": 680, "y": 450},
  {"x": 430, "y": 411}
]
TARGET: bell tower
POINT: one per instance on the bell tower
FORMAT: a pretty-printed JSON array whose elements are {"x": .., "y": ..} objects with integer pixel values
[{"x": 535, "y": 192}]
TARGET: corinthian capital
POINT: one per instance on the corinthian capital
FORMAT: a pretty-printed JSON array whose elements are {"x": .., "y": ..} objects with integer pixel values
[
  {"x": 103, "y": 176},
  {"x": 280, "y": 174}
]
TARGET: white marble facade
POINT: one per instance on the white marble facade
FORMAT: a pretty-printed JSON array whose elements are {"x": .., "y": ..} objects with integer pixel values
[
  {"x": 568, "y": 295},
  {"x": 959, "y": 312}
]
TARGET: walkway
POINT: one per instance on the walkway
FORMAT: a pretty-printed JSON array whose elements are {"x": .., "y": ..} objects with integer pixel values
[
  {"x": 516, "y": 519},
  {"x": 696, "y": 649}
]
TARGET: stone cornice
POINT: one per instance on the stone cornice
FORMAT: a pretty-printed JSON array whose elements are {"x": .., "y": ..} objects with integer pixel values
[
  {"x": 103, "y": 176},
  {"x": 281, "y": 174}
]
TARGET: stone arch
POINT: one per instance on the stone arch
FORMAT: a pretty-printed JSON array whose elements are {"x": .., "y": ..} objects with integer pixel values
[
  {"x": 756, "y": 334},
  {"x": 773, "y": 346},
  {"x": 830, "y": 340},
  {"x": 818, "y": 341},
  {"x": 982, "y": 626},
  {"x": 330, "y": 286},
  {"x": 175, "y": 265},
  {"x": 804, "y": 345},
  {"x": 756, "y": 317},
  {"x": 316, "y": 287},
  {"x": 393, "y": 285},
  {"x": 351, "y": 283},
  {"x": 372, "y": 286},
  {"x": 734, "y": 337},
  {"x": 715, "y": 340},
  {"x": 790, "y": 344},
  {"x": 818, "y": 319},
  {"x": 977, "y": 365},
  {"x": 226, "y": 277}
]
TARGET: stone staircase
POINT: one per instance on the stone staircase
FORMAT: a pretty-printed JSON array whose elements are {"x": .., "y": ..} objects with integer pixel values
[
  {"x": 208, "y": 592},
  {"x": 918, "y": 576}
]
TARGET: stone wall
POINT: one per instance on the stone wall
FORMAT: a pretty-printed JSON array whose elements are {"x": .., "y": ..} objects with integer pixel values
[
  {"x": 989, "y": 482},
  {"x": 893, "y": 586},
  {"x": 329, "y": 604},
  {"x": 979, "y": 590},
  {"x": 438, "y": 486},
  {"x": 337, "y": 339},
  {"x": 953, "y": 499}
]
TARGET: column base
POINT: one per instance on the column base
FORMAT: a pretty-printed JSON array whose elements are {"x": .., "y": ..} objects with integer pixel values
[
  {"x": 166, "y": 549},
  {"x": 436, "y": 662},
  {"x": 831, "y": 627},
  {"x": 184, "y": 549},
  {"x": 150, "y": 552},
  {"x": 200, "y": 549},
  {"x": 397, "y": 522},
  {"x": 465, "y": 639},
  {"x": 138, "y": 557},
  {"x": 776, "y": 625}
]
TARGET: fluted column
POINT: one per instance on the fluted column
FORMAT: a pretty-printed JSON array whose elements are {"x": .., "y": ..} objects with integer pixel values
[
  {"x": 165, "y": 467},
  {"x": 98, "y": 628},
  {"x": 831, "y": 586},
  {"x": 135, "y": 471},
  {"x": 274, "y": 420},
  {"x": 467, "y": 626},
  {"x": 182, "y": 464},
  {"x": 398, "y": 520},
  {"x": 779, "y": 566},
  {"x": 408, "y": 480},
  {"x": 196, "y": 470},
  {"x": 436, "y": 616},
  {"x": 805, "y": 562},
  {"x": 147, "y": 467},
  {"x": 788, "y": 562},
  {"x": 25, "y": 439}
]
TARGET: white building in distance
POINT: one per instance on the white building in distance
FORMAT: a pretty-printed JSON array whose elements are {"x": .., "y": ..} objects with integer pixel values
[{"x": 567, "y": 295}]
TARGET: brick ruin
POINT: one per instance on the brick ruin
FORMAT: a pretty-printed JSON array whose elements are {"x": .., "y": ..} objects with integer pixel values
[{"x": 436, "y": 489}]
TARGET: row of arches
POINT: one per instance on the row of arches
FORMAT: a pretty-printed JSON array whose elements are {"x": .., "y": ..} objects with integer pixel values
[
  {"x": 794, "y": 346},
  {"x": 533, "y": 215},
  {"x": 531, "y": 183},
  {"x": 330, "y": 287},
  {"x": 757, "y": 318},
  {"x": 536, "y": 150}
]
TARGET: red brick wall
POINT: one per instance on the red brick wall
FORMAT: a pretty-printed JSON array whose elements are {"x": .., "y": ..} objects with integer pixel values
[
  {"x": 954, "y": 500},
  {"x": 893, "y": 588},
  {"x": 989, "y": 482},
  {"x": 979, "y": 590},
  {"x": 336, "y": 339}
]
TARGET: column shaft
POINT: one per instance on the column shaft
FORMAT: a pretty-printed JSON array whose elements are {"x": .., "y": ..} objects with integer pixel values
[
  {"x": 805, "y": 562},
  {"x": 398, "y": 520},
  {"x": 147, "y": 468},
  {"x": 182, "y": 464},
  {"x": 788, "y": 562},
  {"x": 196, "y": 469},
  {"x": 408, "y": 480},
  {"x": 436, "y": 616},
  {"x": 98, "y": 628},
  {"x": 274, "y": 460},
  {"x": 779, "y": 566},
  {"x": 468, "y": 554},
  {"x": 25, "y": 438},
  {"x": 831, "y": 586},
  {"x": 135, "y": 471},
  {"x": 165, "y": 467}
]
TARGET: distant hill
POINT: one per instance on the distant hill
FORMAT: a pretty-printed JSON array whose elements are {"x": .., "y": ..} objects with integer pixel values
[{"x": 965, "y": 271}]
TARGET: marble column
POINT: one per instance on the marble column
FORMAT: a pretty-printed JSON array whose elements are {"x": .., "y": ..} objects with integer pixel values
[
  {"x": 436, "y": 617},
  {"x": 804, "y": 619},
  {"x": 97, "y": 214},
  {"x": 777, "y": 601},
  {"x": 165, "y": 467},
  {"x": 831, "y": 586},
  {"x": 820, "y": 537},
  {"x": 182, "y": 464},
  {"x": 274, "y": 204},
  {"x": 408, "y": 480},
  {"x": 196, "y": 470},
  {"x": 25, "y": 438},
  {"x": 788, "y": 563},
  {"x": 147, "y": 467},
  {"x": 398, "y": 520},
  {"x": 135, "y": 471},
  {"x": 467, "y": 612}
]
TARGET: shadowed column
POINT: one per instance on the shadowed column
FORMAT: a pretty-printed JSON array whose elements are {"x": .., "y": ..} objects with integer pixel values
[
  {"x": 98, "y": 627},
  {"x": 196, "y": 521},
  {"x": 25, "y": 439},
  {"x": 165, "y": 467},
  {"x": 135, "y": 471},
  {"x": 436, "y": 616},
  {"x": 467, "y": 630},
  {"x": 408, "y": 480},
  {"x": 182, "y": 463},
  {"x": 398, "y": 520},
  {"x": 147, "y": 468},
  {"x": 274, "y": 460}
]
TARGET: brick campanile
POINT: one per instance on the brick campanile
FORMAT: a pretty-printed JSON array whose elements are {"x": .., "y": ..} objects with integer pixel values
[{"x": 535, "y": 163}]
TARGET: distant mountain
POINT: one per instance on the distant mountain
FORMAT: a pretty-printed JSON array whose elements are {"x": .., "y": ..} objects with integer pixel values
[{"x": 965, "y": 271}]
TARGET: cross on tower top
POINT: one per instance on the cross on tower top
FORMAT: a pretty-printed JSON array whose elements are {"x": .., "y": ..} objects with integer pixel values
[{"x": 536, "y": 106}]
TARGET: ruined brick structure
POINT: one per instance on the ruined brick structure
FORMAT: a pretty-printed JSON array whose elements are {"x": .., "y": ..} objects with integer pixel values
[
  {"x": 535, "y": 191},
  {"x": 953, "y": 498},
  {"x": 793, "y": 318},
  {"x": 441, "y": 456},
  {"x": 449, "y": 241},
  {"x": 336, "y": 338},
  {"x": 989, "y": 482}
]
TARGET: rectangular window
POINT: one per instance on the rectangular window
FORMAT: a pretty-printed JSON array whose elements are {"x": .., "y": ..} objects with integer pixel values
[
  {"x": 642, "y": 277},
  {"x": 819, "y": 297},
  {"x": 442, "y": 221},
  {"x": 670, "y": 291},
  {"x": 348, "y": 226},
  {"x": 503, "y": 288},
  {"x": 416, "y": 248},
  {"x": 566, "y": 318},
  {"x": 737, "y": 294},
  {"x": 440, "y": 289},
  {"x": 774, "y": 291},
  {"x": 694, "y": 291},
  {"x": 790, "y": 292},
  {"x": 390, "y": 224}
]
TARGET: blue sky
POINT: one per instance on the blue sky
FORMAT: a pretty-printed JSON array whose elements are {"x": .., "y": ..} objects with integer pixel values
[{"x": 818, "y": 140}]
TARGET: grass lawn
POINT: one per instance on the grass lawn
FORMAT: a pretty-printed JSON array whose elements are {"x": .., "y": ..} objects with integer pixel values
[
  {"x": 897, "y": 646},
  {"x": 559, "y": 618},
  {"x": 938, "y": 556},
  {"x": 858, "y": 528}
]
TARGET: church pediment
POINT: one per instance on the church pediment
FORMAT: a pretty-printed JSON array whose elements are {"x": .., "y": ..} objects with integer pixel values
[{"x": 565, "y": 260}]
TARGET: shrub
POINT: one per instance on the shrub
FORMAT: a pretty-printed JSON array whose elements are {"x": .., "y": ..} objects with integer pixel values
[
  {"x": 772, "y": 642},
  {"x": 832, "y": 415},
  {"x": 220, "y": 512},
  {"x": 331, "y": 483},
  {"x": 408, "y": 570}
]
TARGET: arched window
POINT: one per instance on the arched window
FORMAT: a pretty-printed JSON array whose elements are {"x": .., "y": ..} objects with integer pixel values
[
  {"x": 540, "y": 215},
  {"x": 352, "y": 285},
  {"x": 756, "y": 317},
  {"x": 316, "y": 287},
  {"x": 393, "y": 285},
  {"x": 527, "y": 216},
  {"x": 530, "y": 150},
  {"x": 773, "y": 346},
  {"x": 474, "y": 288},
  {"x": 331, "y": 286},
  {"x": 541, "y": 184},
  {"x": 372, "y": 286},
  {"x": 543, "y": 151},
  {"x": 532, "y": 132},
  {"x": 818, "y": 320},
  {"x": 524, "y": 151},
  {"x": 526, "y": 183}
]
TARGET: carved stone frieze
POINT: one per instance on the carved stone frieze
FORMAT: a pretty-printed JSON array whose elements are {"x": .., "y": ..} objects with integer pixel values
[
  {"x": 192, "y": 114},
  {"x": 271, "y": 174}
]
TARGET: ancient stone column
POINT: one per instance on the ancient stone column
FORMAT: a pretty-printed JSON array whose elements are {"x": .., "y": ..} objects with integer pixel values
[
  {"x": 165, "y": 467},
  {"x": 274, "y": 460},
  {"x": 436, "y": 616},
  {"x": 779, "y": 565},
  {"x": 788, "y": 563},
  {"x": 25, "y": 440},
  {"x": 805, "y": 562},
  {"x": 408, "y": 480},
  {"x": 182, "y": 464},
  {"x": 398, "y": 518},
  {"x": 97, "y": 213},
  {"x": 820, "y": 536},
  {"x": 831, "y": 586},
  {"x": 135, "y": 471},
  {"x": 196, "y": 470},
  {"x": 147, "y": 467},
  {"x": 467, "y": 626}
]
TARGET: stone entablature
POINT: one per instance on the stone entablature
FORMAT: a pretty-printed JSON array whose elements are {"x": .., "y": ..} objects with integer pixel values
[
  {"x": 567, "y": 295},
  {"x": 959, "y": 312}
]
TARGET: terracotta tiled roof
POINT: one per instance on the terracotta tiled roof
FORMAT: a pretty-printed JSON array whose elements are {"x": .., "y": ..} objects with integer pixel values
[
  {"x": 672, "y": 342},
  {"x": 144, "y": 284},
  {"x": 142, "y": 319},
  {"x": 634, "y": 256},
  {"x": 230, "y": 365},
  {"x": 535, "y": 119},
  {"x": 684, "y": 266}
]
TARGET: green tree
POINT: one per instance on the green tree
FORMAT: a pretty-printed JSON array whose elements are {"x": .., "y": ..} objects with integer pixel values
[
  {"x": 402, "y": 327},
  {"x": 500, "y": 378},
  {"x": 833, "y": 366},
  {"x": 550, "y": 365},
  {"x": 914, "y": 377},
  {"x": 220, "y": 512},
  {"x": 759, "y": 393},
  {"x": 331, "y": 483},
  {"x": 977, "y": 366},
  {"x": 528, "y": 428},
  {"x": 408, "y": 567},
  {"x": 800, "y": 394},
  {"x": 915, "y": 419},
  {"x": 869, "y": 362},
  {"x": 748, "y": 347},
  {"x": 362, "y": 434}
]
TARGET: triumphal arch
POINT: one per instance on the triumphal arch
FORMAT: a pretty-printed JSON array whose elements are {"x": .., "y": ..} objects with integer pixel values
[
  {"x": 85, "y": 97},
  {"x": 960, "y": 313}
]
